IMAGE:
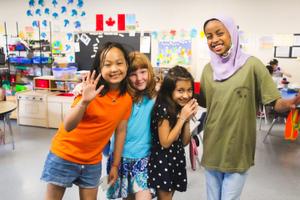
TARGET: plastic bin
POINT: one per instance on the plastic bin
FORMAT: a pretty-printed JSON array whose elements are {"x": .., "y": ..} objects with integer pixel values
[
  {"x": 41, "y": 83},
  {"x": 58, "y": 73},
  {"x": 70, "y": 72}
]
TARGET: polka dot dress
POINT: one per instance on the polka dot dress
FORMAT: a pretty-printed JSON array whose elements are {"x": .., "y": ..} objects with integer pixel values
[{"x": 167, "y": 167}]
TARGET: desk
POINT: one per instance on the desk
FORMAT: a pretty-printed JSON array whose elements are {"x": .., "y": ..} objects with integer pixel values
[{"x": 6, "y": 107}]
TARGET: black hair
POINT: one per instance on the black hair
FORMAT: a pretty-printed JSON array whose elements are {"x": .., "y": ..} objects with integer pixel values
[
  {"x": 270, "y": 68},
  {"x": 209, "y": 20},
  {"x": 273, "y": 62},
  {"x": 167, "y": 88},
  {"x": 99, "y": 61}
]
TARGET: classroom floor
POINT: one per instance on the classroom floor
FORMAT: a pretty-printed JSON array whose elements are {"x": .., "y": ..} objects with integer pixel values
[{"x": 275, "y": 176}]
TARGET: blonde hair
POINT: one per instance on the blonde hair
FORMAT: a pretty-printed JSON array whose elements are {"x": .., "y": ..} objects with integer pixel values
[{"x": 141, "y": 61}]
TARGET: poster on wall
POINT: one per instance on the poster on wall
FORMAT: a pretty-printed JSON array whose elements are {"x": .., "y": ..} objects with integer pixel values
[{"x": 172, "y": 53}]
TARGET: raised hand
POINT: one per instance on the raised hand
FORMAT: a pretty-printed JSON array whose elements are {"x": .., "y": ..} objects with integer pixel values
[
  {"x": 189, "y": 110},
  {"x": 89, "y": 84}
]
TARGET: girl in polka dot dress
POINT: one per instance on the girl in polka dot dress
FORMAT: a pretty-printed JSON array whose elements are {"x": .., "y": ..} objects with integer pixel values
[{"x": 173, "y": 109}]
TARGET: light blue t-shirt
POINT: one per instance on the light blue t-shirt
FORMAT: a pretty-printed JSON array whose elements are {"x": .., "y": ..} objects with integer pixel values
[{"x": 138, "y": 137}]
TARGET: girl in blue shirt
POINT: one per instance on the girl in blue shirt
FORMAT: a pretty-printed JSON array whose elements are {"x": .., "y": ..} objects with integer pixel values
[{"x": 133, "y": 170}]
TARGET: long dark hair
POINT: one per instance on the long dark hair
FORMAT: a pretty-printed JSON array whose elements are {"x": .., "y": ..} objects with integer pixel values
[
  {"x": 99, "y": 62},
  {"x": 164, "y": 97}
]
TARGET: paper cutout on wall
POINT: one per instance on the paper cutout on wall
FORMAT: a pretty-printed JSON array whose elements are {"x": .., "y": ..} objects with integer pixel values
[
  {"x": 83, "y": 14},
  {"x": 202, "y": 34},
  {"x": 57, "y": 47},
  {"x": 85, "y": 39},
  {"x": 47, "y": 11},
  {"x": 44, "y": 23},
  {"x": 35, "y": 23},
  {"x": 80, "y": 4},
  {"x": 63, "y": 9},
  {"x": 66, "y": 22},
  {"x": 43, "y": 35},
  {"x": 73, "y": 13},
  {"x": 193, "y": 33},
  {"x": 174, "y": 52},
  {"x": 69, "y": 36},
  {"x": 77, "y": 24},
  {"x": 38, "y": 12},
  {"x": 70, "y": 1},
  {"x": 130, "y": 22},
  {"x": 31, "y": 3},
  {"x": 29, "y": 13},
  {"x": 55, "y": 15},
  {"x": 154, "y": 35},
  {"x": 54, "y": 3},
  {"x": 41, "y": 3}
]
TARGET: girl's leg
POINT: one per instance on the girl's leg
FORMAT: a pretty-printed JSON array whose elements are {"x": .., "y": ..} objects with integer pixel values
[
  {"x": 233, "y": 184},
  {"x": 54, "y": 192},
  {"x": 88, "y": 193},
  {"x": 143, "y": 195},
  {"x": 214, "y": 181},
  {"x": 163, "y": 195}
]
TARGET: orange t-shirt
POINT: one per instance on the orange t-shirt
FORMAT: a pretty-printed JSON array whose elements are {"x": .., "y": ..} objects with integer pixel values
[{"x": 85, "y": 143}]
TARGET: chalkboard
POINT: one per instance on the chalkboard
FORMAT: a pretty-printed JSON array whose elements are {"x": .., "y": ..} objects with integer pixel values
[{"x": 90, "y": 42}]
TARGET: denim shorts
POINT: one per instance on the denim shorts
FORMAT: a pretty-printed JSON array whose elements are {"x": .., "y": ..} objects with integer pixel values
[{"x": 65, "y": 173}]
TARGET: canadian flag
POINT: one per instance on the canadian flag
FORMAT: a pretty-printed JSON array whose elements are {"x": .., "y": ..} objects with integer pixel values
[{"x": 110, "y": 23}]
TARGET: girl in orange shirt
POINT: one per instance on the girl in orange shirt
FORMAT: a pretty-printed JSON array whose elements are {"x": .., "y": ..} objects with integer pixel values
[{"x": 104, "y": 107}]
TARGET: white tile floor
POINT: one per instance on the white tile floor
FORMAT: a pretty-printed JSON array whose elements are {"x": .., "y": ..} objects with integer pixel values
[{"x": 276, "y": 175}]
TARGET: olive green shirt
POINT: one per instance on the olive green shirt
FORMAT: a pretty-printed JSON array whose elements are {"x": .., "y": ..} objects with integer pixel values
[{"x": 230, "y": 129}]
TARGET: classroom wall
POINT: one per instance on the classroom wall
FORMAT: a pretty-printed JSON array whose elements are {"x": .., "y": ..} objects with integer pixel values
[{"x": 255, "y": 18}]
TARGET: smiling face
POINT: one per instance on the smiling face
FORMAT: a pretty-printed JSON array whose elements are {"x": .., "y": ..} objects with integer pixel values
[
  {"x": 183, "y": 92},
  {"x": 218, "y": 37},
  {"x": 114, "y": 67},
  {"x": 139, "y": 79}
]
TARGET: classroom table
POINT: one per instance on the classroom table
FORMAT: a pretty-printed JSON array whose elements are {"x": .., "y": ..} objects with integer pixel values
[{"x": 6, "y": 108}]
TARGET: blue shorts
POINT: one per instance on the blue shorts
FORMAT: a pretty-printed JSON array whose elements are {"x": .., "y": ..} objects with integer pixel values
[{"x": 65, "y": 173}]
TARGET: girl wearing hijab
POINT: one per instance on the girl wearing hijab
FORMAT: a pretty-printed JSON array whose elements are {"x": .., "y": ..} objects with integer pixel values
[{"x": 232, "y": 85}]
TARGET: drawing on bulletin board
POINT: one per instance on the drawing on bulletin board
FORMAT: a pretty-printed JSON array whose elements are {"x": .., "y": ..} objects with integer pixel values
[
  {"x": 88, "y": 44},
  {"x": 174, "y": 52}
]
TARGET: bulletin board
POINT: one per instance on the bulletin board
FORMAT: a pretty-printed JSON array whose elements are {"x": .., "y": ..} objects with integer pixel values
[{"x": 88, "y": 44}]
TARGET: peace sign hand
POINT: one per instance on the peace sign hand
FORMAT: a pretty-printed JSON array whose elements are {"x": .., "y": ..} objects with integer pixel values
[{"x": 89, "y": 84}]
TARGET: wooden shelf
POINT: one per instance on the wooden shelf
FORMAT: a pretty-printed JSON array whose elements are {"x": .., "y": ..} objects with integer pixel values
[{"x": 53, "y": 84}]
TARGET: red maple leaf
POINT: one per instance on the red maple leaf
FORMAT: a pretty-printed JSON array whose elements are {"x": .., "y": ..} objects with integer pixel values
[{"x": 110, "y": 22}]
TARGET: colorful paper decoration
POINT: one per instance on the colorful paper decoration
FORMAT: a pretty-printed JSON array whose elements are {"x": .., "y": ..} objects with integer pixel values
[
  {"x": 193, "y": 33},
  {"x": 47, "y": 11},
  {"x": 63, "y": 9},
  {"x": 31, "y": 3},
  {"x": 29, "y": 13},
  {"x": 41, "y": 3}
]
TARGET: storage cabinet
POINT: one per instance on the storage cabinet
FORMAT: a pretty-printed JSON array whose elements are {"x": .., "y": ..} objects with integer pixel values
[
  {"x": 52, "y": 84},
  {"x": 58, "y": 107}
]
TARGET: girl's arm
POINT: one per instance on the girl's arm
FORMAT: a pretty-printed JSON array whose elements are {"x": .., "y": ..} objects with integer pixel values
[
  {"x": 120, "y": 135},
  {"x": 283, "y": 105},
  {"x": 167, "y": 135},
  {"x": 186, "y": 133},
  {"x": 89, "y": 92}
]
